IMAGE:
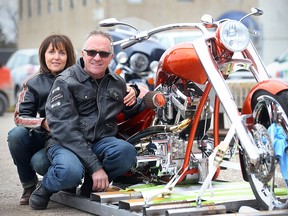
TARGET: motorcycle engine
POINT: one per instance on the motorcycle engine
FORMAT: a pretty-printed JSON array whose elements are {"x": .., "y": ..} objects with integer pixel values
[
  {"x": 182, "y": 102},
  {"x": 163, "y": 153}
]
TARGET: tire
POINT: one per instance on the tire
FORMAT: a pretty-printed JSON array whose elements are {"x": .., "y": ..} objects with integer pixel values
[
  {"x": 3, "y": 104},
  {"x": 266, "y": 110},
  {"x": 263, "y": 111}
]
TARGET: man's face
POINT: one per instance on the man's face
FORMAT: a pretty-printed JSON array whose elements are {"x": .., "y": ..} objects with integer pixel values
[{"x": 97, "y": 56}]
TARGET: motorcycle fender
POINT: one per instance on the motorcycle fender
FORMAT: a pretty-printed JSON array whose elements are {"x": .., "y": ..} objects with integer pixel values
[{"x": 272, "y": 86}]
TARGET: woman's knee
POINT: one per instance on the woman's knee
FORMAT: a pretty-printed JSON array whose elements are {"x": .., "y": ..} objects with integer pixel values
[{"x": 16, "y": 136}]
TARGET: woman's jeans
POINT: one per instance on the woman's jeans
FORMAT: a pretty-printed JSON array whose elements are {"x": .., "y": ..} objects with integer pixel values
[
  {"x": 27, "y": 150},
  {"x": 66, "y": 171}
]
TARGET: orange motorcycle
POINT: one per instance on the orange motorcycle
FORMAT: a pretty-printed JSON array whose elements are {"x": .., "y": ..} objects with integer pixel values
[{"x": 171, "y": 135}]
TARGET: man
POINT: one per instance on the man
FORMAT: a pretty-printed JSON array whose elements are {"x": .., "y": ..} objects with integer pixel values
[{"x": 81, "y": 111}]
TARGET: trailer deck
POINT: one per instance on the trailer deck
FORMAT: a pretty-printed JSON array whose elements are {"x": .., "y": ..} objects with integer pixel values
[{"x": 220, "y": 198}]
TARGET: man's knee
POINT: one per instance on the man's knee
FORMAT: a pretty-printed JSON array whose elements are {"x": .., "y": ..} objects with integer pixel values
[
  {"x": 128, "y": 155},
  {"x": 40, "y": 162}
]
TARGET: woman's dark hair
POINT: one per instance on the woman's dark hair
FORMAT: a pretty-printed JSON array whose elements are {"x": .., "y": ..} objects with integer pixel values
[{"x": 58, "y": 41}]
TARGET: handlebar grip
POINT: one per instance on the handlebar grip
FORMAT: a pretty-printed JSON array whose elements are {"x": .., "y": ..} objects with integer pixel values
[{"x": 128, "y": 44}]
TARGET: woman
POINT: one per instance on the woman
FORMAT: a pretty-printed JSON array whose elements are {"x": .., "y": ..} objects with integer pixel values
[{"x": 26, "y": 141}]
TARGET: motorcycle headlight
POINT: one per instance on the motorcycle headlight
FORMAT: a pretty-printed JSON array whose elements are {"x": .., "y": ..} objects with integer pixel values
[
  {"x": 139, "y": 62},
  {"x": 122, "y": 57},
  {"x": 154, "y": 66},
  {"x": 234, "y": 35}
]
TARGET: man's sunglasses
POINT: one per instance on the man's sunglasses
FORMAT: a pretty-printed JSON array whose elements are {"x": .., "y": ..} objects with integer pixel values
[{"x": 93, "y": 53}]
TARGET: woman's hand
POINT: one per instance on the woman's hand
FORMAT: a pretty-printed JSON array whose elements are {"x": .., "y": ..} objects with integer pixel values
[
  {"x": 44, "y": 125},
  {"x": 130, "y": 98}
]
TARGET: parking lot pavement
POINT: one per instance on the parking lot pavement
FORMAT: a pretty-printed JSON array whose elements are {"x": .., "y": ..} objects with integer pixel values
[{"x": 10, "y": 187}]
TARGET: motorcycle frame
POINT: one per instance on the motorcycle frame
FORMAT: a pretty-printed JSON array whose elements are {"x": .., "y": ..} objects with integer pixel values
[{"x": 223, "y": 96}]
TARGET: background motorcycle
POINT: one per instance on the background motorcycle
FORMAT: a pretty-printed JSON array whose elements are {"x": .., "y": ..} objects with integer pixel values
[
  {"x": 181, "y": 109},
  {"x": 134, "y": 63}
]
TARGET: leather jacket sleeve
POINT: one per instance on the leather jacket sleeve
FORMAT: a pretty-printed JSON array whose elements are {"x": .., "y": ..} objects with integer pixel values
[
  {"x": 30, "y": 108},
  {"x": 63, "y": 120}
]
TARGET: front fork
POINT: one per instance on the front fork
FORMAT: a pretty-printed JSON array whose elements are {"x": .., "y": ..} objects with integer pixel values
[{"x": 227, "y": 100}]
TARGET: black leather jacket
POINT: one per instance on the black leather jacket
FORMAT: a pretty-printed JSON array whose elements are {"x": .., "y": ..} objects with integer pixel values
[
  {"x": 30, "y": 108},
  {"x": 81, "y": 110}
]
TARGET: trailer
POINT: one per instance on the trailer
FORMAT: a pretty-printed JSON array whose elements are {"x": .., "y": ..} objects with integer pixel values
[{"x": 221, "y": 198}]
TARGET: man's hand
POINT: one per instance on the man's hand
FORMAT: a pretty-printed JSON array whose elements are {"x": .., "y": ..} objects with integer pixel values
[
  {"x": 100, "y": 181},
  {"x": 130, "y": 98}
]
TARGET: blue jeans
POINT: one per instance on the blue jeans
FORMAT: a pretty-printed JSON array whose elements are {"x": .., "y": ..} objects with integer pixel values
[
  {"x": 117, "y": 157},
  {"x": 27, "y": 150}
]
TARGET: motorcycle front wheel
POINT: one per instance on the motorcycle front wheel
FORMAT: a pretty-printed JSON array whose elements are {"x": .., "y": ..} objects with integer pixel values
[{"x": 268, "y": 109}]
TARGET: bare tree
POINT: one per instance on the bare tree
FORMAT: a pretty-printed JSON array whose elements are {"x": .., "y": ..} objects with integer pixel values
[{"x": 9, "y": 15}]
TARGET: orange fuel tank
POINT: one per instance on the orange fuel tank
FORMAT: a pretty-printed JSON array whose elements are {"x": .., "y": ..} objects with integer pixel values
[{"x": 182, "y": 61}]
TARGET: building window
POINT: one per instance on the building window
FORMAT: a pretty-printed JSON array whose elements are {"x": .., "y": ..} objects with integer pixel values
[
  {"x": 29, "y": 8},
  {"x": 61, "y": 5},
  {"x": 135, "y": 1},
  {"x": 72, "y": 3},
  {"x": 49, "y": 6},
  {"x": 21, "y": 9},
  {"x": 39, "y": 7}
]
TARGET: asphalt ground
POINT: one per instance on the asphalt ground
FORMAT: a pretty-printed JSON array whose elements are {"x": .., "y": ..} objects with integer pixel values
[{"x": 10, "y": 187}]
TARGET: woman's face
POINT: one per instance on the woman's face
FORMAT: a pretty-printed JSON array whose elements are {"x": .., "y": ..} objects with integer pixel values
[{"x": 55, "y": 59}]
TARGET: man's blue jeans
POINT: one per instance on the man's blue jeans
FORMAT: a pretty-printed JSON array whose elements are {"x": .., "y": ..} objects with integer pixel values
[
  {"x": 66, "y": 171},
  {"x": 27, "y": 150}
]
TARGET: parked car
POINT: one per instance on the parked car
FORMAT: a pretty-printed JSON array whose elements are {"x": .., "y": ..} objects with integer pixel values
[
  {"x": 279, "y": 68},
  {"x": 6, "y": 89},
  {"x": 22, "y": 63},
  {"x": 170, "y": 38}
]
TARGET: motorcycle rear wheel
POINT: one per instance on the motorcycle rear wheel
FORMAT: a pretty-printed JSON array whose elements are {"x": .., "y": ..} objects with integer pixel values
[{"x": 266, "y": 110}]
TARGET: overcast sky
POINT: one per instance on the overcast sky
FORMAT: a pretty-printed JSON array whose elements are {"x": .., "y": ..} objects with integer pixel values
[{"x": 5, "y": 20}]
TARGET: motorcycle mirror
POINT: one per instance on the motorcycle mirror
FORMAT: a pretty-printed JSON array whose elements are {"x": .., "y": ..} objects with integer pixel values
[
  {"x": 254, "y": 11},
  {"x": 207, "y": 19},
  {"x": 110, "y": 22}
]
